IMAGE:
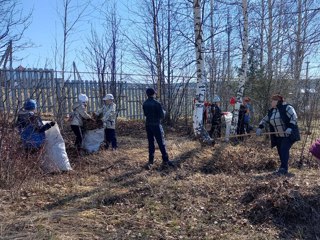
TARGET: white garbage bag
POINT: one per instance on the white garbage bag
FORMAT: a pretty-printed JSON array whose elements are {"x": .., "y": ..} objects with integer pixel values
[
  {"x": 228, "y": 119},
  {"x": 55, "y": 157},
  {"x": 92, "y": 140}
]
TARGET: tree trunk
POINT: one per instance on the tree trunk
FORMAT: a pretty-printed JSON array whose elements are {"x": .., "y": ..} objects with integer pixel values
[
  {"x": 198, "y": 127},
  {"x": 157, "y": 50},
  {"x": 244, "y": 66}
]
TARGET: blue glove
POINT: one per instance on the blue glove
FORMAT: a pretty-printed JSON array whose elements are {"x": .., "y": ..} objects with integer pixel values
[
  {"x": 288, "y": 131},
  {"x": 259, "y": 132}
]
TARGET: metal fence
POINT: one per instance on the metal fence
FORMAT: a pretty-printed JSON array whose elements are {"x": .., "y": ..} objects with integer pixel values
[{"x": 42, "y": 85}]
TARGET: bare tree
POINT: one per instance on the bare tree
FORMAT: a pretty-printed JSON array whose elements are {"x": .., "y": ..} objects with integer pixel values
[
  {"x": 244, "y": 66},
  {"x": 198, "y": 127},
  {"x": 161, "y": 49},
  {"x": 96, "y": 57},
  {"x": 71, "y": 15},
  {"x": 103, "y": 49},
  {"x": 13, "y": 24}
]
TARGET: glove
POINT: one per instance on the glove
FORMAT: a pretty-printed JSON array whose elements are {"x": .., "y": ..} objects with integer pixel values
[
  {"x": 288, "y": 131},
  {"x": 52, "y": 123},
  {"x": 259, "y": 132},
  {"x": 45, "y": 127}
]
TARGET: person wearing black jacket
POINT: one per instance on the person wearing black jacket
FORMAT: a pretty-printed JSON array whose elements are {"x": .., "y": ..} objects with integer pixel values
[
  {"x": 216, "y": 114},
  {"x": 154, "y": 113},
  {"x": 241, "y": 122}
]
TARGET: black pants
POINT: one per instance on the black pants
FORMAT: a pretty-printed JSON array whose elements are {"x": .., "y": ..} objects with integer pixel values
[
  {"x": 77, "y": 130},
  {"x": 110, "y": 137},
  {"x": 156, "y": 132},
  {"x": 215, "y": 131},
  {"x": 283, "y": 145}
]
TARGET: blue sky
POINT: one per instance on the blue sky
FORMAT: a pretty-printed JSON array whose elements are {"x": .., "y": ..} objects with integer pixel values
[
  {"x": 41, "y": 31},
  {"x": 46, "y": 29}
]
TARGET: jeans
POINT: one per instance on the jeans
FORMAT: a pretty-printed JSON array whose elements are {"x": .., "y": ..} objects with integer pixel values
[
  {"x": 283, "y": 145},
  {"x": 215, "y": 131},
  {"x": 156, "y": 132},
  {"x": 110, "y": 137}
]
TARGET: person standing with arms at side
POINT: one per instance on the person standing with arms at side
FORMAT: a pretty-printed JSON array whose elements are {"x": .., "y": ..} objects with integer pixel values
[
  {"x": 215, "y": 131},
  {"x": 109, "y": 116},
  {"x": 79, "y": 113},
  {"x": 248, "y": 115},
  {"x": 154, "y": 113},
  {"x": 241, "y": 122},
  {"x": 282, "y": 120}
]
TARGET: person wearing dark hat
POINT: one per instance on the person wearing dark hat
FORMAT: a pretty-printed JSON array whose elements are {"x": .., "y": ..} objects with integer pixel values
[
  {"x": 282, "y": 120},
  {"x": 154, "y": 113},
  {"x": 30, "y": 126}
]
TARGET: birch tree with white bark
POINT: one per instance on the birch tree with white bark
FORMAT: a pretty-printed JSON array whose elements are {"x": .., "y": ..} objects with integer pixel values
[
  {"x": 198, "y": 126},
  {"x": 244, "y": 67}
]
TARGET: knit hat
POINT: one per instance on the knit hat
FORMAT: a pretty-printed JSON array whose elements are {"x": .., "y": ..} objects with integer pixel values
[
  {"x": 30, "y": 104},
  {"x": 83, "y": 98},
  {"x": 233, "y": 101},
  {"x": 108, "y": 97},
  {"x": 150, "y": 92},
  {"x": 216, "y": 99}
]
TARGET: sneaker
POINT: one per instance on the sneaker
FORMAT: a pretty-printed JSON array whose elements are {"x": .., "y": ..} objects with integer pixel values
[
  {"x": 282, "y": 171},
  {"x": 168, "y": 164},
  {"x": 149, "y": 166}
]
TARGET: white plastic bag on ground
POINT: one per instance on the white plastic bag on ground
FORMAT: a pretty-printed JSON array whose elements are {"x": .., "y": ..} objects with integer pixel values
[
  {"x": 92, "y": 140},
  {"x": 55, "y": 157},
  {"x": 228, "y": 119}
]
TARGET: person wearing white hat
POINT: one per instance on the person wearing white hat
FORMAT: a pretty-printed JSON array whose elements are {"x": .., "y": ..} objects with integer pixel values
[
  {"x": 79, "y": 113},
  {"x": 109, "y": 116}
]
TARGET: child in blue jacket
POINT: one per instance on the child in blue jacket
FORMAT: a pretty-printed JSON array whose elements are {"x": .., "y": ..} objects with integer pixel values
[{"x": 30, "y": 126}]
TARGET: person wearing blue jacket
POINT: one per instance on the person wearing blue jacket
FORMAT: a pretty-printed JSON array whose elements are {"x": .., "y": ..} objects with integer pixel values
[
  {"x": 154, "y": 113},
  {"x": 30, "y": 126}
]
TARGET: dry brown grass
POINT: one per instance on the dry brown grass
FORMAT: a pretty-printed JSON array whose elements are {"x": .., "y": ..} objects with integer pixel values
[{"x": 221, "y": 192}]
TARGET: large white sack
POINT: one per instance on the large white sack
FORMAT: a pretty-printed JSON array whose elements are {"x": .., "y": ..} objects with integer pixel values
[
  {"x": 55, "y": 157},
  {"x": 228, "y": 119},
  {"x": 92, "y": 140}
]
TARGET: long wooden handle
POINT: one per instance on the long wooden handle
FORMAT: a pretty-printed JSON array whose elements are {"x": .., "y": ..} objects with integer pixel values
[{"x": 249, "y": 134}]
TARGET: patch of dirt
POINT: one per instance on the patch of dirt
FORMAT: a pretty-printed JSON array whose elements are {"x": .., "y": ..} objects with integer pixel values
[{"x": 223, "y": 192}]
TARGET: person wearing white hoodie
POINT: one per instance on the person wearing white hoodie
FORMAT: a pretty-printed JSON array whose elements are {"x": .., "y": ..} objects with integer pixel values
[
  {"x": 79, "y": 113},
  {"x": 109, "y": 116}
]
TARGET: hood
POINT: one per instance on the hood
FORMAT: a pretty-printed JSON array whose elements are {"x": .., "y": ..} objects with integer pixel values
[
  {"x": 23, "y": 112},
  {"x": 76, "y": 105}
]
